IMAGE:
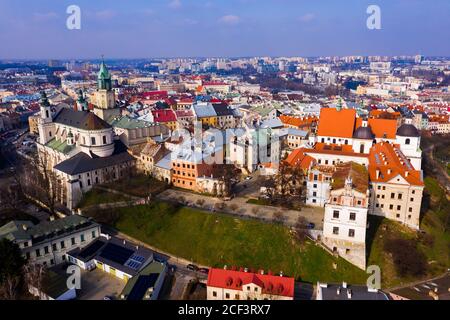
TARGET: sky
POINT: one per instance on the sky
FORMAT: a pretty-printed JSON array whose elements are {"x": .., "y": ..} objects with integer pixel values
[{"x": 36, "y": 29}]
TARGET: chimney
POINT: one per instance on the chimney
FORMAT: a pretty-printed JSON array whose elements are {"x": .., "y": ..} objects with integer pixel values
[{"x": 378, "y": 174}]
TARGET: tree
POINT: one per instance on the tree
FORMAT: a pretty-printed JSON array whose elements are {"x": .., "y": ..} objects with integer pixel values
[
  {"x": 11, "y": 264},
  {"x": 40, "y": 181},
  {"x": 200, "y": 202},
  {"x": 301, "y": 231},
  {"x": 226, "y": 173},
  {"x": 34, "y": 275}
]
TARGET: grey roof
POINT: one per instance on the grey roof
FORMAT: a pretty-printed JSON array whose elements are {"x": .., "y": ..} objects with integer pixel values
[
  {"x": 297, "y": 132},
  {"x": 330, "y": 292},
  {"x": 204, "y": 111},
  {"x": 84, "y": 120},
  {"x": 408, "y": 130},
  {"x": 116, "y": 253},
  {"x": 223, "y": 110},
  {"x": 83, "y": 162},
  {"x": 272, "y": 123},
  {"x": 26, "y": 230},
  {"x": 364, "y": 133}
]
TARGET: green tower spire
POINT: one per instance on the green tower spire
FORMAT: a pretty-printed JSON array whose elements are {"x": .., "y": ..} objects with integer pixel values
[{"x": 104, "y": 77}]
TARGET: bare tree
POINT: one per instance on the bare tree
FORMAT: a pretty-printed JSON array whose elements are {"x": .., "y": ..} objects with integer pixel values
[
  {"x": 10, "y": 288},
  {"x": 40, "y": 181},
  {"x": 34, "y": 275},
  {"x": 301, "y": 232},
  {"x": 226, "y": 173}
]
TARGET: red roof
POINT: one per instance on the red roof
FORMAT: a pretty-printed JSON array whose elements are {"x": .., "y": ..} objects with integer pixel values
[
  {"x": 154, "y": 94},
  {"x": 270, "y": 284},
  {"x": 164, "y": 115}
]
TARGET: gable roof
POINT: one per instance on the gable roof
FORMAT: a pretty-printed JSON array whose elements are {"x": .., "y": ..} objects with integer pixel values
[
  {"x": 270, "y": 284},
  {"x": 336, "y": 123},
  {"x": 300, "y": 159},
  {"x": 386, "y": 162},
  {"x": 84, "y": 120},
  {"x": 83, "y": 162}
]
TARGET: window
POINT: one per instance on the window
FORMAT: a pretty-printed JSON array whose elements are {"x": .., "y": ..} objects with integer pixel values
[
  {"x": 352, "y": 216},
  {"x": 398, "y": 215},
  {"x": 93, "y": 234},
  {"x": 335, "y": 230},
  {"x": 413, "y": 192},
  {"x": 46, "y": 249},
  {"x": 27, "y": 255},
  {"x": 38, "y": 253},
  {"x": 315, "y": 177},
  {"x": 391, "y": 206},
  {"x": 52, "y": 262},
  {"x": 227, "y": 296},
  {"x": 82, "y": 237},
  {"x": 93, "y": 142},
  {"x": 336, "y": 214},
  {"x": 25, "y": 244},
  {"x": 54, "y": 247},
  {"x": 63, "y": 244},
  {"x": 104, "y": 139},
  {"x": 314, "y": 185},
  {"x": 351, "y": 233},
  {"x": 379, "y": 187},
  {"x": 408, "y": 141},
  {"x": 392, "y": 195},
  {"x": 400, "y": 196},
  {"x": 410, "y": 209},
  {"x": 214, "y": 294},
  {"x": 73, "y": 241},
  {"x": 384, "y": 187},
  {"x": 411, "y": 200},
  {"x": 399, "y": 208},
  {"x": 314, "y": 194},
  {"x": 256, "y": 289}
]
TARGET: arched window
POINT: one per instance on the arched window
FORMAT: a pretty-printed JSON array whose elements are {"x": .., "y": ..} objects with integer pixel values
[
  {"x": 361, "y": 148},
  {"x": 334, "y": 140},
  {"x": 407, "y": 141},
  {"x": 346, "y": 141}
]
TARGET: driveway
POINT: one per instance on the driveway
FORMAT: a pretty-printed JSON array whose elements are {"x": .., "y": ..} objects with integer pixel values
[{"x": 244, "y": 209}]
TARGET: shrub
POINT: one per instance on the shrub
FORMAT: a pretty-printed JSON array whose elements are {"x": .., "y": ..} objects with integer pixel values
[{"x": 408, "y": 260}]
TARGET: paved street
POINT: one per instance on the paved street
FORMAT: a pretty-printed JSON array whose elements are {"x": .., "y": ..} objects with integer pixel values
[{"x": 244, "y": 209}]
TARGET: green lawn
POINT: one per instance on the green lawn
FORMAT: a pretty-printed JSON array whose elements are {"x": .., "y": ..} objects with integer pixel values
[
  {"x": 138, "y": 185},
  {"x": 218, "y": 240},
  {"x": 98, "y": 196}
]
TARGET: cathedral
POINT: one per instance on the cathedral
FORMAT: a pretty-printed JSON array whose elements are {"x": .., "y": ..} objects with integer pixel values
[{"x": 80, "y": 145}]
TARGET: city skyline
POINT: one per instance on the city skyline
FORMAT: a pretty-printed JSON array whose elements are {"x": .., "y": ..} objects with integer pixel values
[{"x": 237, "y": 28}]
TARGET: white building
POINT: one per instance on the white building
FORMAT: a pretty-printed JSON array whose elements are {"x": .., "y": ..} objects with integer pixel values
[{"x": 345, "y": 221}]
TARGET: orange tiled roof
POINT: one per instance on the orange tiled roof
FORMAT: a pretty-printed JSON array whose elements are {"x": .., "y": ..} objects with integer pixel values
[
  {"x": 345, "y": 150},
  {"x": 390, "y": 162},
  {"x": 296, "y": 121},
  {"x": 299, "y": 158},
  {"x": 335, "y": 123},
  {"x": 382, "y": 127}
]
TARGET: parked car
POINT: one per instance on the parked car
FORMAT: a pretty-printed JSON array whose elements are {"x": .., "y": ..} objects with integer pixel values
[
  {"x": 192, "y": 267},
  {"x": 203, "y": 270},
  {"x": 310, "y": 226}
]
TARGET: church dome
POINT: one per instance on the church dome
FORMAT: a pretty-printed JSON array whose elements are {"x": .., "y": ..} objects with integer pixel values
[
  {"x": 364, "y": 133},
  {"x": 408, "y": 130}
]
